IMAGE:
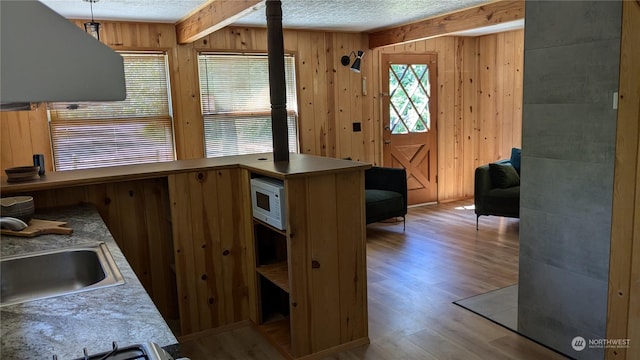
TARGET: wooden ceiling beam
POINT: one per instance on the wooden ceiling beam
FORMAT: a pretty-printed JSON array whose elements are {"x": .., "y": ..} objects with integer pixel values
[
  {"x": 214, "y": 15},
  {"x": 475, "y": 17}
]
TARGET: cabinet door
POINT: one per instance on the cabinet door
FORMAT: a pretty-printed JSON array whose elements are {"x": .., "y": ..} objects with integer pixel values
[{"x": 211, "y": 225}]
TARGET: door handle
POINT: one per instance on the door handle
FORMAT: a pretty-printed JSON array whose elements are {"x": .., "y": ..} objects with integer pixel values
[
  {"x": 387, "y": 128},
  {"x": 387, "y": 142}
]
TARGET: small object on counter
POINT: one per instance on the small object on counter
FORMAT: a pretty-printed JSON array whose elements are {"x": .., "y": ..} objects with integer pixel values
[
  {"x": 38, "y": 160},
  {"x": 11, "y": 223},
  {"x": 22, "y": 173},
  {"x": 40, "y": 227},
  {"x": 20, "y": 207}
]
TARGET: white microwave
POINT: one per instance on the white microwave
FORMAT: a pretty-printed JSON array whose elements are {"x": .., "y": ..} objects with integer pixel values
[{"x": 267, "y": 201}]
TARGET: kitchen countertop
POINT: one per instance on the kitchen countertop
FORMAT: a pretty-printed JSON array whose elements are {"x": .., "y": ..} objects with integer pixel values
[
  {"x": 299, "y": 165},
  {"x": 93, "y": 319}
]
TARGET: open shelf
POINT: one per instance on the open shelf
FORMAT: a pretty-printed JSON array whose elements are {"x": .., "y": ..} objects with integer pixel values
[
  {"x": 281, "y": 232},
  {"x": 277, "y": 273}
]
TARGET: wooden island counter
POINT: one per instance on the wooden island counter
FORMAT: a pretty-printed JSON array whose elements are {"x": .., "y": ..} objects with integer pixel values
[{"x": 187, "y": 229}]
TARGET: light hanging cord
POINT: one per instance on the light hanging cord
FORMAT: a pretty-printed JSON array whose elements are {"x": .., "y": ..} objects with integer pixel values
[{"x": 92, "y": 27}]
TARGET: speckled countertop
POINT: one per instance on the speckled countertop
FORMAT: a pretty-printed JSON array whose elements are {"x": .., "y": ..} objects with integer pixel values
[{"x": 93, "y": 319}]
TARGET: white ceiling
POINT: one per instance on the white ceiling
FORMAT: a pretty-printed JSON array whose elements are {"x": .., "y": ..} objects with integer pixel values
[{"x": 337, "y": 15}]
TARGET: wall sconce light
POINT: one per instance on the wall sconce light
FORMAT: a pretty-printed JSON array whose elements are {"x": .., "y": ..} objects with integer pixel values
[
  {"x": 92, "y": 27},
  {"x": 345, "y": 60}
]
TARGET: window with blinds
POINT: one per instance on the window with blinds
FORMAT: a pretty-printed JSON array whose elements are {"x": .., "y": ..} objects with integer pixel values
[
  {"x": 134, "y": 131},
  {"x": 236, "y": 107}
]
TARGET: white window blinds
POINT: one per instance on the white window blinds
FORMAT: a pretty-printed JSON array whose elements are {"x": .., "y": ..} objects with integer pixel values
[
  {"x": 236, "y": 108},
  {"x": 136, "y": 130}
]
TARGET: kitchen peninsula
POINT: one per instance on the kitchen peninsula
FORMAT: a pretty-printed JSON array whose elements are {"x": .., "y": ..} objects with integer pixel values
[{"x": 187, "y": 229}]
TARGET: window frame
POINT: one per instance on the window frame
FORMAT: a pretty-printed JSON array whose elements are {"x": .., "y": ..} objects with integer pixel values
[
  {"x": 293, "y": 109},
  {"x": 167, "y": 126}
]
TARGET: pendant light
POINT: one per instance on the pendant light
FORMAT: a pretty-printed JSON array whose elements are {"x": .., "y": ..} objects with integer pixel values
[{"x": 92, "y": 27}]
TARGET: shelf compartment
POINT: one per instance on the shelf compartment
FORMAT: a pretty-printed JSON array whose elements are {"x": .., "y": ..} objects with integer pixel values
[
  {"x": 260, "y": 222},
  {"x": 277, "y": 273}
]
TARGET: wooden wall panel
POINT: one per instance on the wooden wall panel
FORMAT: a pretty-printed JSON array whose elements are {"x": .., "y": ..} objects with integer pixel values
[
  {"x": 323, "y": 249},
  {"x": 327, "y": 261},
  {"x": 623, "y": 312},
  {"x": 320, "y": 101},
  {"x": 299, "y": 258},
  {"x": 135, "y": 36},
  {"x": 353, "y": 286},
  {"x": 468, "y": 110},
  {"x": 209, "y": 216},
  {"x": 305, "y": 79},
  {"x": 22, "y": 134}
]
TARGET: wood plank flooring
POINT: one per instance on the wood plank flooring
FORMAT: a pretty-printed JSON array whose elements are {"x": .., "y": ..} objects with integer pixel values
[{"x": 413, "y": 278}]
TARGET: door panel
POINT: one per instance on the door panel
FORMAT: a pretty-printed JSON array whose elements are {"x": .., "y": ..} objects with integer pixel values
[{"x": 409, "y": 109}]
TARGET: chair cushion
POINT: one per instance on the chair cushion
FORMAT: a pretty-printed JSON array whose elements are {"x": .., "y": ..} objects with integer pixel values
[
  {"x": 516, "y": 155},
  {"x": 503, "y": 175},
  {"x": 503, "y": 202},
  {"x": 382, "y": 202}
]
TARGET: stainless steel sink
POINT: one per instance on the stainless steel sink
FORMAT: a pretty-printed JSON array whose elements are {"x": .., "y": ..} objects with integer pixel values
[{"x": 45, "y": 274}]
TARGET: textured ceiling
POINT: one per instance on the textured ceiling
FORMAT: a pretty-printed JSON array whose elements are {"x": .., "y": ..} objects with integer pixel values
[
  {"x": 357, "y": 15},
  {"x": 342, "y": 15}
]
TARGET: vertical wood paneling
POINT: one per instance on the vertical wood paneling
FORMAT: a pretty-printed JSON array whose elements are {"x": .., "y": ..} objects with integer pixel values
[
  {"x": 231, "y": 219},
  {"x": 298, "y": 257},
  {"x": 469, "y": 117},
  {"x": 306, "y": 111},
  {"x": 188, "y": 124},
  {"x": 518, "y": 80},
  {"x": 370, "y": 127},
  {"x": 204, "y": 245},
  {"x": 458, "y": 115},
  {"x": 22, "y": 134},
  {"x": 179, "y": 192},
  {"x": 507, "y": 89},
  {"x": 343, "y": 99},
  {"x": 500, "y": 93},
  {"x": 322, "y": 238},
  {"x": 355, "y": 106},
  {"x": 446, "y": 116},
  {"x": 160, "y": 245},
  {"x": 320, "y": 93},
  {"x": 352, "y": 258},
  {"x": 248, "y": 245},
  {"x": 487, "y": 99},
  {"x": 331, "y": 147},
  {"x": 327, "y": 261},
  {"x": 209, "y": 218},
  {"x": 623, "y": 311}
]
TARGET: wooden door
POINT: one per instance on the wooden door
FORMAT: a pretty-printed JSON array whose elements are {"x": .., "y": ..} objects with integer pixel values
[{"x": 410, "y": 110}]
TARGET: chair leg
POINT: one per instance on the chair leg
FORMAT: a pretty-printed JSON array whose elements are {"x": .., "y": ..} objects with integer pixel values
[
  {"x": 477, "y": 217},
  {"x": 404, "y": 223}
]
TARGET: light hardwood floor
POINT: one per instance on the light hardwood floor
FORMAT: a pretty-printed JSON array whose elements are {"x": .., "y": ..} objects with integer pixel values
[{"x": 413, "y": 278}]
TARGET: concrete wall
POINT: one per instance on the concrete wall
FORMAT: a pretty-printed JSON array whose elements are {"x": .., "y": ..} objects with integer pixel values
[{"x": 568, "y": 145}]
